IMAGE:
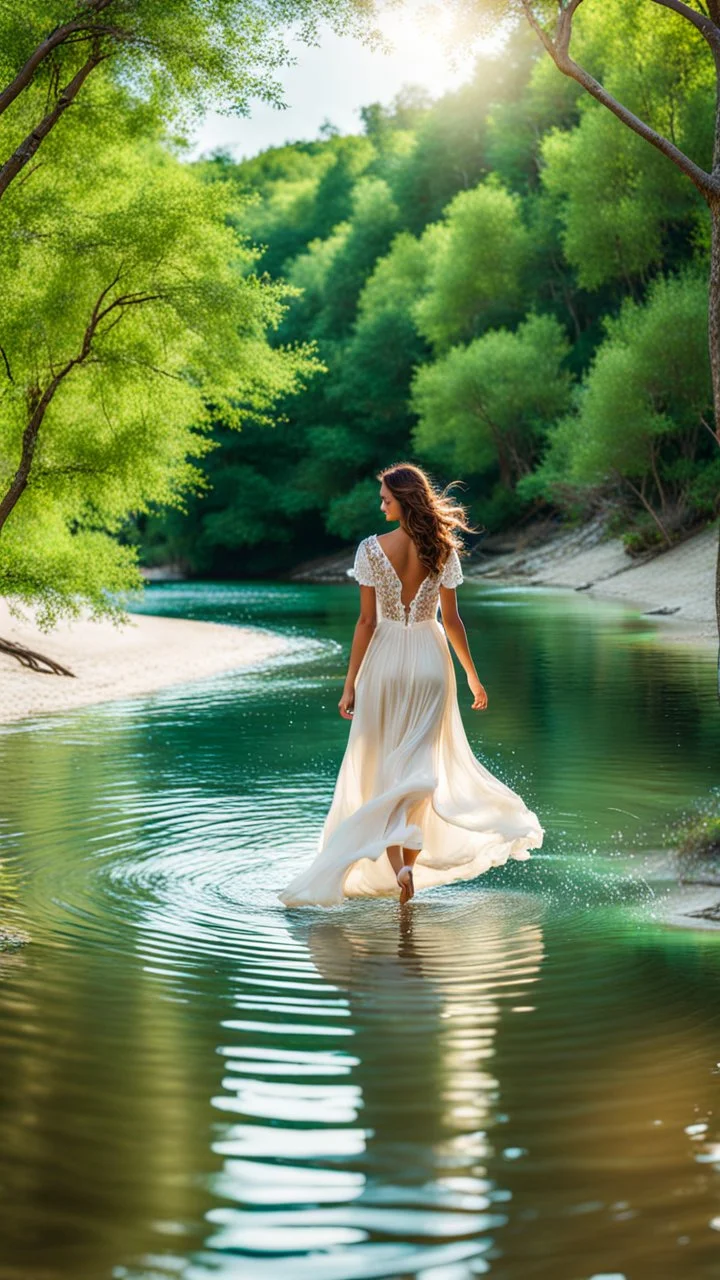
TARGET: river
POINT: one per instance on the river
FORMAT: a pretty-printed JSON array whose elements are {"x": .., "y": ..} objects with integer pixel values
[{"x": 516, "y": 1077}]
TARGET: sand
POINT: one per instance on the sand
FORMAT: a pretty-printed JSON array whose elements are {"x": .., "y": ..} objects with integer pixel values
[
  {"x": 111, "y": 662},
  {"x": 680, "y": 582}
]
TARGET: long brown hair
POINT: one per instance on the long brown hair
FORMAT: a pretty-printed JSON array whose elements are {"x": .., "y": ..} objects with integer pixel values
[{"x": 430, "y": 517}]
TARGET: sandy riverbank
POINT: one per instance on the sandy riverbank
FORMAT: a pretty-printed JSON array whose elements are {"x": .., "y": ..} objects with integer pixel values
[
  {"x": 679, "y": 582},
  {"x": 121, "y": 662},
  {"x": 675, "y": 587}
]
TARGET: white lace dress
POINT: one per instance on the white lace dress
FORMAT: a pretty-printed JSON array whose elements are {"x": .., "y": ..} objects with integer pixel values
[{"x": 409, "y": 776}]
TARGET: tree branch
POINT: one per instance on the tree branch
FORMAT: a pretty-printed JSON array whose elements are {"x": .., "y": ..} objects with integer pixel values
[
  {"x": 706, "y": 26},
  {"x": 39, "y": 402},
  {"x": 648, "y": 507},
  {"x": 538, "y": 28},
  {"x": 30, "y": 144},
  {"x": 707, "y": 184},
  {"x": 61, "y": 35},
  {"x": 715, "y": 435},
  {"x": 564, "y": 25}
]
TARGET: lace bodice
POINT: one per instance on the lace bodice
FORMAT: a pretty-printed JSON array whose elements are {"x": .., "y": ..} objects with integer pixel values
[{"x": 372, "y": 568}]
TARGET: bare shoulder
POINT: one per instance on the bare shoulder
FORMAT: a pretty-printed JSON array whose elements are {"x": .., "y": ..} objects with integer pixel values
[{"x": 396, "y": 540}]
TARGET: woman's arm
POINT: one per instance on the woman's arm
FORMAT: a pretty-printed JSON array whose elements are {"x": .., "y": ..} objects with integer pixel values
[
  {"x": 457, "y": 635},
  {"x": 364, "y": 628}
]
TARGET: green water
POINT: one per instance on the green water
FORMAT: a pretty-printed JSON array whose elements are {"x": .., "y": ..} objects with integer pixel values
[{"x": 516, "y": 1077}]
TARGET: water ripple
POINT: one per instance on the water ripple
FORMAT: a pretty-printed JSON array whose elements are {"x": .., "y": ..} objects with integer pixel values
[{"x": 512, "y": 1075}]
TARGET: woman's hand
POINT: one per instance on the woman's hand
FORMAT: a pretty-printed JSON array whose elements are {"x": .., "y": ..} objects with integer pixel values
[
  {"x": 479, "y": 695},
  {"x": 346, "y": 705}
]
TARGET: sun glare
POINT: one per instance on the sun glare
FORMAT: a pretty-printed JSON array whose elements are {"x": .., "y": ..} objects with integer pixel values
[{"x": 427, "y": 48}]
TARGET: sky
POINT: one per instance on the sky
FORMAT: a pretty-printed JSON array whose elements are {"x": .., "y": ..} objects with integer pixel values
[{"x": 332, "y": 81}]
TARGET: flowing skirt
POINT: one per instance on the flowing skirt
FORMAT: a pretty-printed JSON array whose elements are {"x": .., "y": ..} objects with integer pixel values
[{"x": 409, "y": 777}]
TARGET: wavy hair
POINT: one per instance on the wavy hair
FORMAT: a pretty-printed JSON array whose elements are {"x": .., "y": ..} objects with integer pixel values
[{"x": 430, "y": 517}]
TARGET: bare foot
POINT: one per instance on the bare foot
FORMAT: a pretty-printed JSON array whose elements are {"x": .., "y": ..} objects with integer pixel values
[{"x": 407, "y": 887}]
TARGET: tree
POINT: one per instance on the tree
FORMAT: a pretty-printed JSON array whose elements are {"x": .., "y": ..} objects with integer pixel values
[
  {"x": 333, "y": 271},
  {"x": 476, "y": 255},
  {"x": 132, "y": 314},
  {"x": 491, "y": 403},
  {"x": 553, "y": 21},
  {"x": 179, "y": 57},
  {"x": 129, "y": 301},
  {"x": 646, "y": 206},
  {"x": 640, "y": 421}
]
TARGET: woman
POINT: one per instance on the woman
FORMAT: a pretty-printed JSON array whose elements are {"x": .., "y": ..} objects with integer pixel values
[{"x": 412, "y": 805}]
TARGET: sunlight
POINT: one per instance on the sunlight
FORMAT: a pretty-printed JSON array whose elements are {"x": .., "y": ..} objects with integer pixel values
[{"x": 428, "y": 48}]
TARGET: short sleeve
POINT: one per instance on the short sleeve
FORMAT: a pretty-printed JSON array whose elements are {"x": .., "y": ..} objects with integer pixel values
[
  {"x": 452, "y": 573},
  {"x": 362, "y": 569}
]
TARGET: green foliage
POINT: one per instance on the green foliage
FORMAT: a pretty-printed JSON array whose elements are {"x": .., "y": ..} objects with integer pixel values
[
  {"x": 489, "y": 404},
  {"x": 131, "y": 232},
  {"x": 649, "y": 379},
  {"x": 645, "y": 200},
  {"x": 371, "y": 375},
  {"x": 183, "y": 57},
  {"x": 450, "y": 150},
  {"x": 514, "y": 127},
  {"x": 61, "y": 572},
  {"x": 351, "y": 514},
  {"x": 639, "y": 415},
  {"x": 506, "y": 284},
  {"x": 364, "y": 238},
  {"x": 656, "y": 64},
  {"x": 475, "y": 256},
  {"x": 396, "y": 282},
  {"x": 302, "y": 193}
]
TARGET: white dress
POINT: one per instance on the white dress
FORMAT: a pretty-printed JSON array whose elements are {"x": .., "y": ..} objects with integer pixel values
[{"x": 409, "y": 776}]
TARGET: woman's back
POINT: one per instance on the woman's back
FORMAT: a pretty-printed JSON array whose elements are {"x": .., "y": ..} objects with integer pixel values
[{"x": 395, "y": 602}]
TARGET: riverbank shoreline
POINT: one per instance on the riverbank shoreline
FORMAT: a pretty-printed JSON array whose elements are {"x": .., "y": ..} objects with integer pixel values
[
  {"x": 676, "y": 587},
  {"x": 111, "y": 662}
]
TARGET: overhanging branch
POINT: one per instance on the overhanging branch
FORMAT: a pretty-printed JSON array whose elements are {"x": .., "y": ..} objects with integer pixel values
[
  {"x": 25, "y": 152},
  {"x": 707, "y": 184},
  {"x": 64, "y": 34},
  {"x": 39, "y": 400},
  {"x": 706, "y": 26}
]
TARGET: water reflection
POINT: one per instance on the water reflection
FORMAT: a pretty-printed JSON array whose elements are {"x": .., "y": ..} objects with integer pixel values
[
  {"x": 375, "y": 1140},
  {"x": 196, "y": 1082}
]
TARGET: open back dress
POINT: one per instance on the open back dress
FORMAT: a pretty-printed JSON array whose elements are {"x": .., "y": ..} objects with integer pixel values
[{"x": 409, "y": 776}]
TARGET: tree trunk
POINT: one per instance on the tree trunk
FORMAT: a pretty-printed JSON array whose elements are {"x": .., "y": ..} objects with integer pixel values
[
  {"x": 640, "y": 494},
  {"x": 714, "y": 341}
]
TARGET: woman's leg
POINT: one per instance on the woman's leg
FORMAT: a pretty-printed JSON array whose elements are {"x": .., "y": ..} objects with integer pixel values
[
  {"x": 399, "y": 858},
  {"x": 395, "y": 857}
]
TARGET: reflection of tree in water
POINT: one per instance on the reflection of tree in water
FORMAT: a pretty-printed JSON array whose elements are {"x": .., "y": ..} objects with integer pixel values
[{"x": 425, "y": 989}]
